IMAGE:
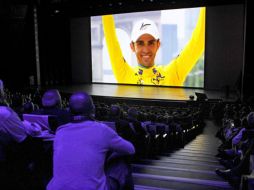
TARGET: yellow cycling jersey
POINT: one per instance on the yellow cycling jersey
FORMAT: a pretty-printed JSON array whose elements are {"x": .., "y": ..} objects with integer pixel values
[{"x": 172, "y": 74}]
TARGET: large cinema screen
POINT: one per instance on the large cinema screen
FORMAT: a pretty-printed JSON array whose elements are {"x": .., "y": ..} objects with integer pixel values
[{"x": 162, "y": 47}]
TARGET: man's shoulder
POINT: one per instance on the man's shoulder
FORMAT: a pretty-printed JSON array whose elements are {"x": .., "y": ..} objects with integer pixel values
[{"x": 89, "y": 123}]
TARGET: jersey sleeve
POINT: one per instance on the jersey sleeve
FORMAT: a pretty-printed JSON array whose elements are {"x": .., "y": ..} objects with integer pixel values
[
  {"x": 120, "y": 67},
  {"x": 191, "y": 53}
]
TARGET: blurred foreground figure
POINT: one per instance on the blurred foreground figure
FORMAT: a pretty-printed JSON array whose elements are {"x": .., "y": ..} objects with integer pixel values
[{"x": 80, "y": 149}]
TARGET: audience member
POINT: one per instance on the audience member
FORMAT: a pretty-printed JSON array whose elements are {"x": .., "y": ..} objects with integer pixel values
[
  {"x": 11, "y": 127},
  {"x": 140, "y": 132},
  {"x": 122, "y": 126},
  {"x": 233, "y": 174},
  {"x": 118, "y": 168},
  {"x": 80, "y": 149},
  {"x": 17, "y": 103},
  {"x": 51, "y": 102},
  {"x": 12, "y": 131},
  {"x": 28, "y": 107}
]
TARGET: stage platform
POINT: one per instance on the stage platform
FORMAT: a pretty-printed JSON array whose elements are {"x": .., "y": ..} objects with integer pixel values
[{"x": 146, "y": 92}]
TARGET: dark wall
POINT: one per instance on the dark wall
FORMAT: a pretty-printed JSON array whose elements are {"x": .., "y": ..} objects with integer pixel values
[
  {"x": 17, "y": 55},
  {"x": 64, "y": 41},
  {"x": 224, "y": 46},
  {"x": 81, "y": 50},
  {"x": 54, "y": 46}
]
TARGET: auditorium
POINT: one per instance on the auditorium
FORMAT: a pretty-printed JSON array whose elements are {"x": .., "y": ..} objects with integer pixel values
[{"x": 126, "y": 95}]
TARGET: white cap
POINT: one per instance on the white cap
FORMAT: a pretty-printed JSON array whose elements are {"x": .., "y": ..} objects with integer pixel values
[{"x": 144, "y": 26}]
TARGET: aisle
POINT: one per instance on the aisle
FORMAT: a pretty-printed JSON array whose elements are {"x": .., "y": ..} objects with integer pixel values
[{"x": 188, "y": 168}]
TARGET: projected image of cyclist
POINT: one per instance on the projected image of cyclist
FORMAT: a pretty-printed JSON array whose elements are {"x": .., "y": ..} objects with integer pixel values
[{"x": 145, "y": 43}]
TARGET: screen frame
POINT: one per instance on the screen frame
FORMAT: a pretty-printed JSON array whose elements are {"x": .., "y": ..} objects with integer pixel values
[{"x": 117, "y": 83}]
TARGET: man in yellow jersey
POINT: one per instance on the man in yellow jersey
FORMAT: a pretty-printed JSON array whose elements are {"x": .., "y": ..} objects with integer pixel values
[{"x": 145, "y": 44}]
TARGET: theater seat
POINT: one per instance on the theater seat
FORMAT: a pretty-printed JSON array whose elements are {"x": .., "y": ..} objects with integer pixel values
[{"x": 46, "y": 122}]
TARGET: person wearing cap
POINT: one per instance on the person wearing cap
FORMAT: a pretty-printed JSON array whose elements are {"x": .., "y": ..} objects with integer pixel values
[
  {"x": 145, "y": 44},
  {"x": 80, "y": 149}
]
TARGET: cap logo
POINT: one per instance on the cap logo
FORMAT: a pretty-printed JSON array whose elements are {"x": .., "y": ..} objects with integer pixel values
[{"x": 144, "y": 26}]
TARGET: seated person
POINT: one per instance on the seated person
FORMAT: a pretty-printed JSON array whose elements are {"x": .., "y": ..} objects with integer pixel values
[
  {"x": 233, "y": 174},
  {"x": 118, "y": 168},
  {"x": 11, "y": 127},
  {"x": 17, "y": 102},
  {"x": 122, "y": 126},
  {"x": 80, "y": 149},
  {"x": 12, "y": 135},
  {"x": 141, "y": 141},
  {"x": 52, "y": 105}
]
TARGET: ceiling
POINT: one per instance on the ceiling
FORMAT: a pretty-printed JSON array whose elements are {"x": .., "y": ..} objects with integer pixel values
[{"x": 76, "y": 8}]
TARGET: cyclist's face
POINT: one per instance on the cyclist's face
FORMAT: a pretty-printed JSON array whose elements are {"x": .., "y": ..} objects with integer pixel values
[{"x": 145, "y": 48}]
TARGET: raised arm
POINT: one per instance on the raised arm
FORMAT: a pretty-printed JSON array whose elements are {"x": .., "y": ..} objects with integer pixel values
[
  {"x": 120, "y": 68},
  {"x": 191, "y": 53}
]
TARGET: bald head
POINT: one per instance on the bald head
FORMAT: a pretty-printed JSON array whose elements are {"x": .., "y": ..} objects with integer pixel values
[{"x": 81, "y": 103}]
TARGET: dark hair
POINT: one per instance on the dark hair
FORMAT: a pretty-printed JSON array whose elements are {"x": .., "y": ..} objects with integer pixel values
[
  {"x": 115, "y": 111},
  {"x": 51, "y": 98},
  {"x": 81, "y": 103},
  {"x": 28, "y": 107}
]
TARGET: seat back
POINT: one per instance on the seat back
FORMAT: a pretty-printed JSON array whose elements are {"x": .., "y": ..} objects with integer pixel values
[
  {"x": 42, "y": 120},
  {"x": 152, "y": 129}
]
